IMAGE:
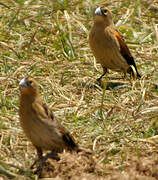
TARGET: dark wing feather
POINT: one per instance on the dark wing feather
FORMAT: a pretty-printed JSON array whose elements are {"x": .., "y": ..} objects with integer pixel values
[
  {"x": 47, "y": 111},
  {"x": 70, "y": 141},
  {"x": 125, "y": 52}
]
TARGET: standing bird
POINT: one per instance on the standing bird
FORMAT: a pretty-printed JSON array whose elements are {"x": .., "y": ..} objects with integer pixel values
[
  {"x": 108, "y": 47},
  {"x": 39, "y": 123}
]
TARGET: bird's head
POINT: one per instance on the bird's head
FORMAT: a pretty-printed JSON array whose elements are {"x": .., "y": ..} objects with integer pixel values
[
  {"x": 103, "y": 15},
  {"x": 29, "y": 86}
]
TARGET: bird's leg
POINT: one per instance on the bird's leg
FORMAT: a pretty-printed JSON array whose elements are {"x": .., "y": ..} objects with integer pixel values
[
  {"x": 124, "y": 75},
  {"x": 104, "y": 72},
  {"x": 52, "y": 155},
  {"x": 39, "y": 154}
]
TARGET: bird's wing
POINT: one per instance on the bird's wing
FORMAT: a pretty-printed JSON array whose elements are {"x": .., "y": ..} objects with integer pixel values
[
  {"x": 46, "y": 116},
  {"x": 39, "y": 110},
  {"x": 124, "y": 49}
]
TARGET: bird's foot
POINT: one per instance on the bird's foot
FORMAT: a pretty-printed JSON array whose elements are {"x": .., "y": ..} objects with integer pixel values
[
  {"x": 39, "y": 166},
  {"x": 43, "y": 160},
  {"x": 101, "y": 83},
  {"x": 35, "y": 162},
  {"x": 52, "y": 155},
  {"x": 99, "y": 79}
]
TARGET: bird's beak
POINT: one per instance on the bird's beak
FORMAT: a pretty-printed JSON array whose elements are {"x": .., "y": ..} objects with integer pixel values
[
  {"x": 98, "y": 11},
  {"x": 23, "y": 82}
]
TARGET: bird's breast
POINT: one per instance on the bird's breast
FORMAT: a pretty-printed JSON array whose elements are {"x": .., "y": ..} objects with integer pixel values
[{"x": 106, "y": 50}]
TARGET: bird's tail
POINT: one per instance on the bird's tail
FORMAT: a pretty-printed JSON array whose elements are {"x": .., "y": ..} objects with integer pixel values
[
  {"x": 70, "y": 142},
  {"x": 133, "y": 70}
]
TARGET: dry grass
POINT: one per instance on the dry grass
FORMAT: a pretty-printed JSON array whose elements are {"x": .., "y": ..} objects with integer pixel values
[{"x": 48, "y": 40}]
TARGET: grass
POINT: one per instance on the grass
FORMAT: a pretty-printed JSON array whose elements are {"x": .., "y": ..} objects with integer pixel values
[{"x": 49, "y": 41}]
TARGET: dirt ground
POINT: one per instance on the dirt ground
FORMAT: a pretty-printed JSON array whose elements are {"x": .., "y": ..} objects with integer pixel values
[{"x": 85, "y": 166}]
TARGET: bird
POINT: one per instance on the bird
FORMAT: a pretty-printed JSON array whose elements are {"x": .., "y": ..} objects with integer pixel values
[
  {"x": 108, "y": 46},
  {"x": 39, "y": 123}
]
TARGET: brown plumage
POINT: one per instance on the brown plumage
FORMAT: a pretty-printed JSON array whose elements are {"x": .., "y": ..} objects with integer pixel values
[
  {"x": 39, "y": 123},
  {"x": 107, "y": 45}
]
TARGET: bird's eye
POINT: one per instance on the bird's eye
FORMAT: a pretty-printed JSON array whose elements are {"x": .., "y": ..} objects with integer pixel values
[
  {"x": 105, "y": 11},
  {"x": 30, "y": 82}
]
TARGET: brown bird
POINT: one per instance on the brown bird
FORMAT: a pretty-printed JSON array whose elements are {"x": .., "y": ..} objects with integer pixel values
[
  {"x": 107, "y": 45},
  {"x": 39, "y": 123}
]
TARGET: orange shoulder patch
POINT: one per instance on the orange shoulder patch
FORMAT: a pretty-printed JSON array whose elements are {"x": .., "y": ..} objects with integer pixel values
[
  {"x": 117, "y": 34},
  {"x": 123, "y": 46}
]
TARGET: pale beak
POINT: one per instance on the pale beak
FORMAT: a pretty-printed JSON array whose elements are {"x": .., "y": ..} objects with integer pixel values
[
  {"x": 98, "y": 11},
  {"x": 23, "y": 82}
]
